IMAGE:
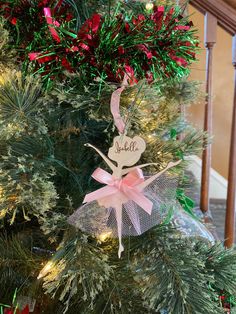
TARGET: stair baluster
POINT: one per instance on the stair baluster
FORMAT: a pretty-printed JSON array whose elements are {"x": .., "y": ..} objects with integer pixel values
[
  {"x": 210, "y": 40},
  {"x": 231, "y": 194}
]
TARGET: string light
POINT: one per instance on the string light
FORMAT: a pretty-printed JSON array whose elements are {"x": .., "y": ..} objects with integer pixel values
[
  {"x": 1, "y": 79},
  {"x": 151, "y": 136},
  {"x": 104, "y": 236},
  {"x": 45, "y": 270},
  {"x": 149, "y": 6}
]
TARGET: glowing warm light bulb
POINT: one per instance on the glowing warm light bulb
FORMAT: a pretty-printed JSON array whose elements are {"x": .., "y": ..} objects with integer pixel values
[
  {"x": 102, "y": 237},
  {"x": 1, "y": 80},
  {"x": 149, "y": 6},
  {"x": 45, "y": 270}
]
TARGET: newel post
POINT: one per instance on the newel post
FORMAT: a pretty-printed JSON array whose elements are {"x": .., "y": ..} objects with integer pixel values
[
  {"x": 231, "y": 194},
  {"x": 210, "y": 40}
]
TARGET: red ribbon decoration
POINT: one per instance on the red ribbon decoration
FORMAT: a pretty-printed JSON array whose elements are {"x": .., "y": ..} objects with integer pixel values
[
  {"x": 51, "y": 24},
  {"x": 17, "y": 311},
  {"x": 130, "y": 72},
  {"x": 44, "y": 58},
  {"x": 90, "y": 28},
  {"x": 180, "y": 61},
  {"x": 157, "y": 16},
  {"x": 41, "y": 58},
  {"x": 144, "y": 49},
  {"x": 182, "y": 27}
]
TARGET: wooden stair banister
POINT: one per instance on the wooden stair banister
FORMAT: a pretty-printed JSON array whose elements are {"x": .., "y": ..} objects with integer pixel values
[{"x": 223, "y": 12}]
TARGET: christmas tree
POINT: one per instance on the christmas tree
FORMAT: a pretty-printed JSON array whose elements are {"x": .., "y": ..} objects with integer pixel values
[{"x": 74, "y": 76}]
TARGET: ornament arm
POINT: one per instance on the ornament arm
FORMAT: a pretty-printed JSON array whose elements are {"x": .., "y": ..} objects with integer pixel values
[
  {"x": 107, "y": 160},
  {"x": 144, "y": 184},
  {"x": 127, "y": 170}
]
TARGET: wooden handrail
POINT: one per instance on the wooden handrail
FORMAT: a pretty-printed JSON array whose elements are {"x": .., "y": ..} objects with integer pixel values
[{"x": 225, "y": 14}]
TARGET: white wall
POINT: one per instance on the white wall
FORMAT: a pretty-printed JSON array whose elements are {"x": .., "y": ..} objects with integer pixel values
[{"x": 218, "y": 184}]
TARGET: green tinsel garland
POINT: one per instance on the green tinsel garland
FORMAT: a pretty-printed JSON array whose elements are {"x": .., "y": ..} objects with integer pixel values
[{"x": 154, "y": 45}]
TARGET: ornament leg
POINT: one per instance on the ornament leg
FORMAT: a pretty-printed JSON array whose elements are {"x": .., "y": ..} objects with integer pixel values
[{"x": 118, "y": 211}]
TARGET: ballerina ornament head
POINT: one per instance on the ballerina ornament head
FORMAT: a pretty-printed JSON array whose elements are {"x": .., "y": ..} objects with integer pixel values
[{"x": 126, "y": 151}]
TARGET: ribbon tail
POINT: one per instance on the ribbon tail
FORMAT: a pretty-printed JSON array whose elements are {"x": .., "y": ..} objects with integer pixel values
[
  {"x": 100, "y": 194},
  {"x": 142, "y": 201},
  {"x": 134, "y": 217},
  {"x": 118, "y": 213}
]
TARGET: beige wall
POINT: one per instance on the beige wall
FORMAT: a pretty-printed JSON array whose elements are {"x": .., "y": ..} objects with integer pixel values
[{"x": 223, "y": 76}]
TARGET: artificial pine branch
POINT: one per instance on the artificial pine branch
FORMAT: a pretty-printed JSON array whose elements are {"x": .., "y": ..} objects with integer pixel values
[
  {"x": 176, "y": 279},
  {"x": 19, "y": 265},
  {"x": 222, "y": 265},
  {"x": 78, "y": 274},
  {"x": 7, "y": 55},
  {"x": 26, "y": 168},
  {"x": 21, "y": 103},
  {"x": 176, "y": 274}
]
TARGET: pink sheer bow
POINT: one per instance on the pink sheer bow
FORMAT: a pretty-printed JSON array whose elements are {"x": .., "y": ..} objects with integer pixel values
[{"x": 118, "y": 192}]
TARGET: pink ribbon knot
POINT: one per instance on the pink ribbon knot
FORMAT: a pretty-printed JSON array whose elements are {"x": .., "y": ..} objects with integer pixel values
[{"x": 119, "y": 191}]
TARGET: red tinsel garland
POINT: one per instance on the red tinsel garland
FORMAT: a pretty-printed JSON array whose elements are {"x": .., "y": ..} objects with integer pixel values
[
  {"x": 147, "y": 45},
  {"x": 17, "y": 311}
]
